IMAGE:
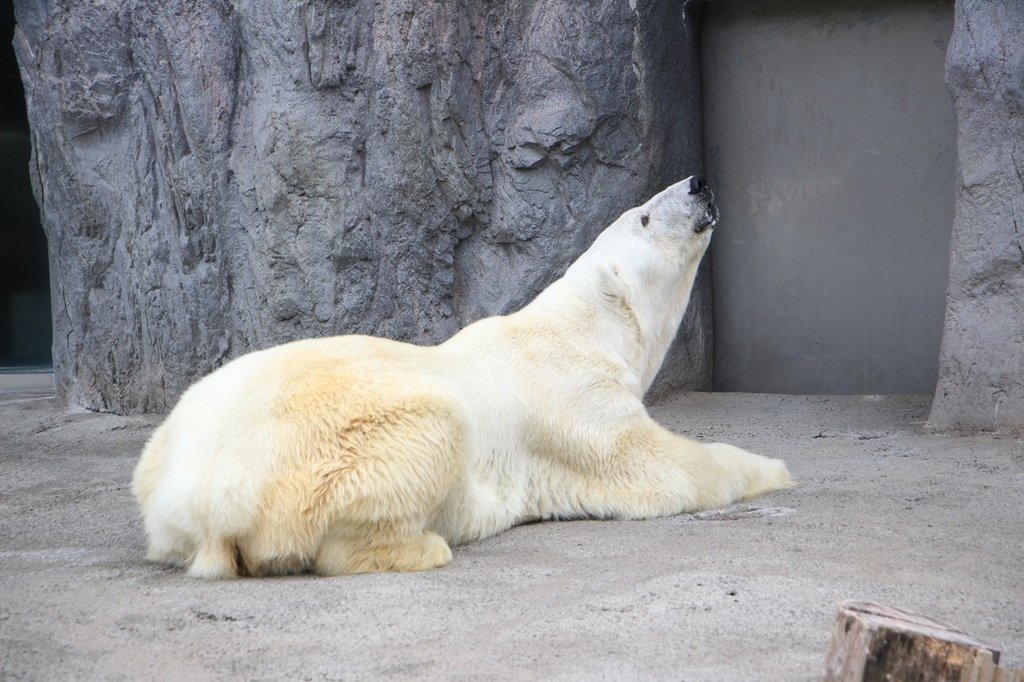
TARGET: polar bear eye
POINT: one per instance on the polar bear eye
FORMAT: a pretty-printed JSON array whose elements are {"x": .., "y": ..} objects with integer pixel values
[{"x": 644, "y": 219}]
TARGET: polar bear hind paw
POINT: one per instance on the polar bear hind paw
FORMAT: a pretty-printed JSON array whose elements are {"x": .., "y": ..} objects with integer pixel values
[{"x": 419, "y": 552}]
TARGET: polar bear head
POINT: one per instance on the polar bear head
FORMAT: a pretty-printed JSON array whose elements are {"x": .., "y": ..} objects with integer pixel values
[
  {"x": 678, "y": 219},
  {"x": 657, "y": 243},
  {"x": 640, "y": 272}
]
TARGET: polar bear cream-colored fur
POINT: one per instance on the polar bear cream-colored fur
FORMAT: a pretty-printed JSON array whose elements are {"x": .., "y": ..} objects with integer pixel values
[{"x": 353, "y": 454}]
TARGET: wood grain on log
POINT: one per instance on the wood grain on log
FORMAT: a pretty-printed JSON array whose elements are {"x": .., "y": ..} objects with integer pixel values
[{"x": 872, "y": 643}]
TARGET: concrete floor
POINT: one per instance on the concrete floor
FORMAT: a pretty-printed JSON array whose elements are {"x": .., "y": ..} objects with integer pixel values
[{"x": 884, "y": 512}]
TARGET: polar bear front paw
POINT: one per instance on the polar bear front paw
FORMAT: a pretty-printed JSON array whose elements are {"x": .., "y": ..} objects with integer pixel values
[{"x": 771, "y": 475}]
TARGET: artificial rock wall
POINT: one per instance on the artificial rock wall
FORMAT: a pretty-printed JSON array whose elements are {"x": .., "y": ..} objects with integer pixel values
[
  {"x": 981, "y": 364},
  {"x": 218, "y": 177}
]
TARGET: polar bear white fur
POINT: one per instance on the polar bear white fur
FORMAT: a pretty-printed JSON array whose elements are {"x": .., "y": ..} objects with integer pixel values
[{"x": 354, "y": 454}]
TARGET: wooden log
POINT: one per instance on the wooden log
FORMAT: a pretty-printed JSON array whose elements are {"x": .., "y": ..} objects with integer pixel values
[
  {"x": 872, "y": 643},
  {"x": 983, "y": 667}
]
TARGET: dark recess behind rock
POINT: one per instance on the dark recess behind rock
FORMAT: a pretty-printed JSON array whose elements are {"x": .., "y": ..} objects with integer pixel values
[{"x": 221, "y": 177}]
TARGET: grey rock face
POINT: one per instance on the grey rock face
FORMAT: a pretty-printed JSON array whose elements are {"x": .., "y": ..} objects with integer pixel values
[
  {"x": 982, "y": 356},
  {"x": 220, "y": 177}
]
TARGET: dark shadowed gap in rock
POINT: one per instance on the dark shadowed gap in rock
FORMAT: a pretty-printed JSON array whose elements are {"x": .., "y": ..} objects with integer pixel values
[{"x": 25, "y": 328}]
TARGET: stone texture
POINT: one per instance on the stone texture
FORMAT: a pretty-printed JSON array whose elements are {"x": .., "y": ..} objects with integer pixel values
[
  {"x": 217, "y": 177},
  {"x": 981, "y": 366}
]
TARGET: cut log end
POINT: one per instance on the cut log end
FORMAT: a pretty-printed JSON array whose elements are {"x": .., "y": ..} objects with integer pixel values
[{"x": 875, "y": 643}]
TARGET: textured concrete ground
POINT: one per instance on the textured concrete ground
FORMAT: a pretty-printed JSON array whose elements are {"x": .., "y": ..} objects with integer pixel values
[{"x": 883, "y": 512}]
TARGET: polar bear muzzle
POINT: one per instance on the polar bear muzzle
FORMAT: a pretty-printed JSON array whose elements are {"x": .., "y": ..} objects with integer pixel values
[{"x": 699, "y": 187}]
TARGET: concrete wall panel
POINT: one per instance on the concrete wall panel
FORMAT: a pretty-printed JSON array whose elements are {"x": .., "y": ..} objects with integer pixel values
[{"x": 830, "y": 139}]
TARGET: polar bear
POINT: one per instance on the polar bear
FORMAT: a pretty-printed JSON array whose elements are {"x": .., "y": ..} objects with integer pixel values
[{"x": 357, "y": 454}]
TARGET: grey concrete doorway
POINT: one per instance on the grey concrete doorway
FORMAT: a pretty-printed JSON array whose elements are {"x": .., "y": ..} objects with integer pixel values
[{"x": 830, "y": 139}]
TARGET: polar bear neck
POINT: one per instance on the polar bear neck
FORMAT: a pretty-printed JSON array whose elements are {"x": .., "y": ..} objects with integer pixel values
[{"x": 627, "y": 313}]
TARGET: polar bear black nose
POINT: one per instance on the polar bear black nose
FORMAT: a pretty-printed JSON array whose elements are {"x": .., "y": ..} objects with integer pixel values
[{"x": 696, "y": 184}]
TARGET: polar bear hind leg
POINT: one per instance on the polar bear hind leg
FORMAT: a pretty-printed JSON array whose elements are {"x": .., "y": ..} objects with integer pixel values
[
  {"x": 369, "y": 483},
  {"x": 408, "y": 469}
]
